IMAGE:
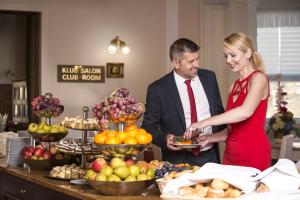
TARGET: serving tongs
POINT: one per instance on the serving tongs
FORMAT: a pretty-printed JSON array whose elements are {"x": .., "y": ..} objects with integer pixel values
[{"x": 197, "y": 133}]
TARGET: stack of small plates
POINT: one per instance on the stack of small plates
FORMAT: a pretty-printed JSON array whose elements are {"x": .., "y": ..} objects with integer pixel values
[{"x": 14, "y": 148}]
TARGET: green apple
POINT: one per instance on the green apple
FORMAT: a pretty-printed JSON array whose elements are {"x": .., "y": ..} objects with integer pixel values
[
  {"x": 134, "y": 170},
  {"x": 46, "y": 128},
  {"x": 54, "y": 129},
  {"x": 40, "y": 131},
  {"x": 107, "y": 170},
  {"x": 89, "y": 173},
  {"x": 100, "y": 177},
  {"x": 117, "y": 162},
  {"x": 62, "y": 129},
  {"x": 113, "y": 178},
  {"x": 41, "y": 125},
  {"x": 122, "y": 172},
  {"x": 130, "y": 178},
  {"x": 142, "y": 177},
  {"x": 33, "y": 127},
  {"x": 151, "y": 173}
]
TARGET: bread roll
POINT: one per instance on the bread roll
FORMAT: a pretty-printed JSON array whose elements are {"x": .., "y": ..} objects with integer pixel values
[
  {"x": 186, "y": 191},
  {"x": 214, "y": 193},
  {"x": 232, "y": 193},
  {"x": 200, "y": 191},
  {"x": 219, "y": 184},
  {"x": 261, "y": 187}
]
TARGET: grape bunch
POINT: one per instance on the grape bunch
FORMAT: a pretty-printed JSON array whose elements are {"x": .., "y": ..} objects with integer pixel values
[
  {"x": 120, "y": 106},
  {"x": 46, "y": 106},
  {"x": 168, "y": 167}
]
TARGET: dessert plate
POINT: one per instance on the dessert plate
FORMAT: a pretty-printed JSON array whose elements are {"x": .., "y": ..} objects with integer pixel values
[{"x": 187, "y": 146}]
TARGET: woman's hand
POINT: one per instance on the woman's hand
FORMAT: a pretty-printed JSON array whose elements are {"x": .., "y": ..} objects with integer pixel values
[
  {"x": 195, "y": 127},
  {"x": 203, "y": 140}
]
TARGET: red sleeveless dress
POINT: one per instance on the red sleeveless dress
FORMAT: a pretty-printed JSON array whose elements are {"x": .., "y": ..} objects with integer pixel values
[{"x": 247, "y": 143}]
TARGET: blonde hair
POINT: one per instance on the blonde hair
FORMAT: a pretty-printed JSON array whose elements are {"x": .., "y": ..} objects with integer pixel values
[{"x": 242, "y": 42}]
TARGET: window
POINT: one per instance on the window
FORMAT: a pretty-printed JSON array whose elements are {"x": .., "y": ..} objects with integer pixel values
[{"x": 278, "y": 41}]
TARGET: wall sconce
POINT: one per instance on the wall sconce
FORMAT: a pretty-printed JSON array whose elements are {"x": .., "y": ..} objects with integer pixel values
[{"x": 117, "y": 43}]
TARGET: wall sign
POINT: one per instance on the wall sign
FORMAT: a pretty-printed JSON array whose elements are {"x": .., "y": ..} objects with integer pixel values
[
  {"x": 115, "y": 70},
  {"x": 80, "y": 73}
]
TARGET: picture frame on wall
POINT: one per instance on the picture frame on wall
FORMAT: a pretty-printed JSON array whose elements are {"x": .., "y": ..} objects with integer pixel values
[{"x": 115, "y": 70}]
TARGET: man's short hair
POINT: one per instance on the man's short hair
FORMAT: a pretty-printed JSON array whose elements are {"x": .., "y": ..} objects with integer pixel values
[{"x": 181, "y": 46}]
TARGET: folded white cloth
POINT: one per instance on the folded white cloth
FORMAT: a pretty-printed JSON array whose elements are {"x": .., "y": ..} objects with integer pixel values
[
  {"x": 240, "y": 177},
  {"x": 282, "y": 177}
]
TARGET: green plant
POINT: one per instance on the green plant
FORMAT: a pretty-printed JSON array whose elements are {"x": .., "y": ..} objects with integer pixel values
[{"x": 3, "y": 121}]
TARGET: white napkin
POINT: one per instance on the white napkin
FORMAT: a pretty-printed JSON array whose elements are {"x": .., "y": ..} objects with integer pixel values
[
  {"x": 282, "y": 177},
  {"x": 240, "y": 177}
]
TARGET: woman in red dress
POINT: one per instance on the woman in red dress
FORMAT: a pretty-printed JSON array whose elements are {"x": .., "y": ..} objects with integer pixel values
[{"x": 247, "y": 143}]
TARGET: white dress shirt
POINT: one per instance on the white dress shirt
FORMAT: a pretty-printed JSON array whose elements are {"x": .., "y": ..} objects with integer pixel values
[{"x": 202, "y": 105}]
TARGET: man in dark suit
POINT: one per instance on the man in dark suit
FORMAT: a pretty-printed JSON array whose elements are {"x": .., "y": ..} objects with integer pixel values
[{"x": 169, "y": 110}]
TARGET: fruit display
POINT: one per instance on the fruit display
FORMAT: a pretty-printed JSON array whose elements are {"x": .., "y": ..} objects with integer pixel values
[
  {"x": 80, "y": 123},
  {"x": 131, "y": 135},
  {"x": 47, "y": 133},
  {"x": 170, "y": 171},
  {"x": 67, "y": 172},
  {"x": 118, "y": 170},
  {"x": 120, "y": 106},
  {"x": 46, "y": 106},
  {"x": 41, "y": 158}
]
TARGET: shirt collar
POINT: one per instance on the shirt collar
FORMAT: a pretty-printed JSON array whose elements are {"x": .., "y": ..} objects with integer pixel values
[{"x": 180, "y": 80}]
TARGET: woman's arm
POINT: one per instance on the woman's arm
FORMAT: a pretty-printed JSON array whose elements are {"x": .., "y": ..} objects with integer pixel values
[
  {"x": 204, "y": 140},
  {"x": 258, "y": 90}
]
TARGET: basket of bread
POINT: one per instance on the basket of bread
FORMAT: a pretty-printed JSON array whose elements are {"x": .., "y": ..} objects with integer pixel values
[{"x": 210, "y": 181}]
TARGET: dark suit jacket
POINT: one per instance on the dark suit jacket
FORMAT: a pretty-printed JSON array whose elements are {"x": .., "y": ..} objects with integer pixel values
[{"x": 164, "y": 113}]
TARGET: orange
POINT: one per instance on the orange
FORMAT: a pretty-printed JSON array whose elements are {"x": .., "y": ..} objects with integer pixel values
[
  {"x": 132, "y": 133},
  {"x": 144, "y": 138},
  {"x": 130, "y": 140},
  {"x": 122, "y": 136},
  {"x": 112, "y": 140},
  {"x": 141, "y": 130},
  {"x": 131, "y": 127},
  {"x": 100, "y": 138},
  {"x": 111, "y": 133}
]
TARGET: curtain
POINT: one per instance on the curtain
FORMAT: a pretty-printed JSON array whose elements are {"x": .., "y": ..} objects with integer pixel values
[{"x": 278, "y": 18}]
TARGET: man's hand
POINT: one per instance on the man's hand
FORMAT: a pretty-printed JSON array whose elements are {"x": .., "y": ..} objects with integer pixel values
[{"x": 170, "y": 143}]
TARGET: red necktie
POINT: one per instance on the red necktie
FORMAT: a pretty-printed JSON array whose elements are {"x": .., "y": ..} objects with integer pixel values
[{"x": 193, "y": 109}]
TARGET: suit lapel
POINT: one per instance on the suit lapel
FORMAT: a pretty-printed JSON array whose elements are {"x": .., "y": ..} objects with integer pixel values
[
  {"x": 208, "y": 90},
  {"x": 176, "y": 98}
]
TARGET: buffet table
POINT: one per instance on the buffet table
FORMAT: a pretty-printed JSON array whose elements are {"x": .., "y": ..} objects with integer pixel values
[{"x": 16, "y": 183}]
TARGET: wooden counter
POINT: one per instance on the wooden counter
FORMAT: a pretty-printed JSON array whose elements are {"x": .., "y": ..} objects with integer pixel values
[{"x": 16, "y": 183}]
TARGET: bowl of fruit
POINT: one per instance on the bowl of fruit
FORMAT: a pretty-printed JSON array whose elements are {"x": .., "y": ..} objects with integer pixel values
[
  {"x": 47, "y": 133},
  {"x": 119, "y": 177},
  {"x": 40, "y": 158},
  {"x": 119, "y": 107},
  {"x": 130, "y": 142}
]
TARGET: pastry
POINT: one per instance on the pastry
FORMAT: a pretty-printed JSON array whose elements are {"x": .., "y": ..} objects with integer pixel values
[{"x": 219, "y": 184}]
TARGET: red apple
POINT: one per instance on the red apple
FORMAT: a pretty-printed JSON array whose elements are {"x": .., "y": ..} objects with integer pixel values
[
  {"x": 47, "y": 155},
  {"x": 129, "y": 161},
  {"x": 38, "y": 152},
  {"x": 40, "y": 146},
  {"x": 27, "y": 152},
  {"x": 53, "y": 149},
  {"x": 98, "y": 164}
]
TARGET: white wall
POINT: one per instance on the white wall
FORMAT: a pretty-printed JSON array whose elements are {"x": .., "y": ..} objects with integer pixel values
[{"x": 78, "y": 32}]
